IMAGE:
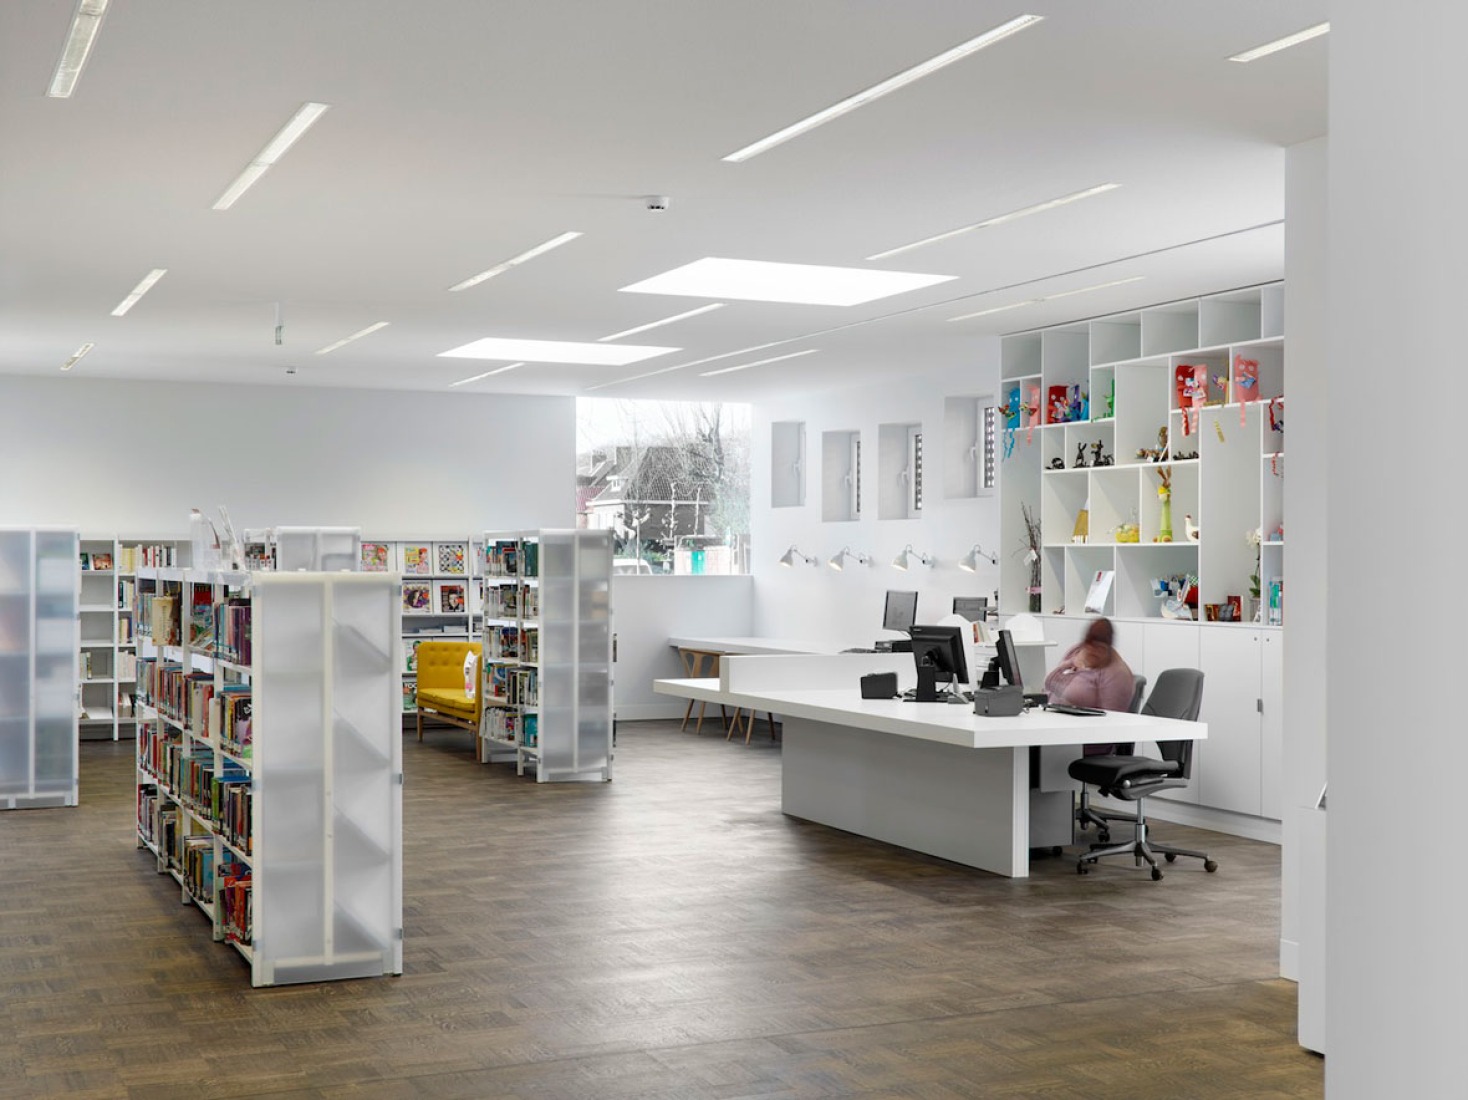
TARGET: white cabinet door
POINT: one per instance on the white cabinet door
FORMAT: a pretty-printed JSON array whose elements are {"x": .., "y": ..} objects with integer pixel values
[
  {"x": 1165, "y": 645},
  {"x": 1226, "y": 767},
  {"x": 1271, "y": 724}
]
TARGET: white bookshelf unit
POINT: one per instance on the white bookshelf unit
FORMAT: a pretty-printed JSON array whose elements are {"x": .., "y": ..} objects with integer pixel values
[
  {"x": 39, "y": 597},
  {"x": 548, "y": 652},
  {"x": 269, "y": 769},
  {"x": 107, "y": 662},
  {"x": 432, "y": 569},
  {"x": 1224, "y": 461}
]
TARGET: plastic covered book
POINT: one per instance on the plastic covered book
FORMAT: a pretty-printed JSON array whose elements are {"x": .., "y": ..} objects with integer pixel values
[
  {"x": 416, "y": 596},
  {"x": 417, "y": 558},
  {"x": 376, "y": 557},
  {"x": 452, "y": 557}
]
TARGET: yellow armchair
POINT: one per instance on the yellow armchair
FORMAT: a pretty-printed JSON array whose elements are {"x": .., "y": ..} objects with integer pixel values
[{"x": 441, "y": 686}]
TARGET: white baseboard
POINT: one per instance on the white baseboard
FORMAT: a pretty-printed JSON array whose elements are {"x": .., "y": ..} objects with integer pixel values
[
  {"x": 1289, "y": 960},
  {"x": 1201, "y": 817}
]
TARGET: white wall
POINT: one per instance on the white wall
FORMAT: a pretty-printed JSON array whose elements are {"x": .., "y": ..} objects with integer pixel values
[
  {"x": 820, "y": 604},
  {"x": 1307, "y": 269},
  {"x": 136, "y": 456},
  {"x": 1396, "y": 955},
  {"x": 647, "y": 611}
]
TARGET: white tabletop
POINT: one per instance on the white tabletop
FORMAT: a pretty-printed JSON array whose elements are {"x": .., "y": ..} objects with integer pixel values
[
  {"x": 945, "y": 722},
  {"x": 751, "y": 645}
]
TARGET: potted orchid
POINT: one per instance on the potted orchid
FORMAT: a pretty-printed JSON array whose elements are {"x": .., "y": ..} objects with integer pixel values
[{"x": 1255, "y": 538}]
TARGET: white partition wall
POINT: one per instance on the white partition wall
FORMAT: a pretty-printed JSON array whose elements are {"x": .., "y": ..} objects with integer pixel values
[{"x": 38, "y": 667}]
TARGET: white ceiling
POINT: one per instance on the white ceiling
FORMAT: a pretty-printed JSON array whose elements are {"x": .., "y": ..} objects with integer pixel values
[{"x": 463, "y": 132}]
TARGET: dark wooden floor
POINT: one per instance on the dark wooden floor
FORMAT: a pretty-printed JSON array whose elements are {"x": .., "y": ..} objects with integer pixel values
[{"x": 668, "y": 935}]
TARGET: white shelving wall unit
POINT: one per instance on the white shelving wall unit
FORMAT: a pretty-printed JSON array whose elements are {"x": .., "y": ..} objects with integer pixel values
[
  {"x": 303, "y": 875},
  {"x": 39, "y": 597},
  {"x": 1226, "y": 465},
  {"x": 548, "y": 652},
  {"x": 434, "y": 565}
]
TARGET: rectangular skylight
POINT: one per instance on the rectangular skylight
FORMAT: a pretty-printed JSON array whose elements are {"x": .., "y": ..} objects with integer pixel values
[
  {"x": 368, "y": 331},
  {"x": 1282, "y": 43},
  {"x": 84, "y": 27},
  {"x": 274, "y": 149},
  {"x": 514, "y": 261},
  {"x": 144, "y": 285},
  {"x": 891, "y": 84},
  {"x": 800, "y": 284},
  {"x": 759, "y": 363},
  {"x": 555, "y": 351},
  {"x": 1000, "y": 219},
  {"x": 665, "y": 321}
]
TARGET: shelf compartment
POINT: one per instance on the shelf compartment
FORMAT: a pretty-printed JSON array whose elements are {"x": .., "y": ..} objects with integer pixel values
[
  {"x": 1116, "y": 339},
  {"x": 1170, "y": 328}
]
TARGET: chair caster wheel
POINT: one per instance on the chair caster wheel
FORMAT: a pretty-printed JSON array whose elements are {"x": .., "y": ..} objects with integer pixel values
[
  {"x": 1156, "y": 874},
  {"x": 1170, "y": 856},
  {"x": 1209, "y": 866},
  {"x": 1104, "y": 837}
]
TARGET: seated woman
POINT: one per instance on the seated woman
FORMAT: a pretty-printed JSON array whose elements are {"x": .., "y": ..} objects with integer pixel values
[{"x": 1092, "y": 674}]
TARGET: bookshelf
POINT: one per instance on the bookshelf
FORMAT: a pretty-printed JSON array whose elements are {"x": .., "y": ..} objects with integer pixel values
[
  {"x": 440, "y": 593},
  {"x": 39, "y": 597},
  {"x": 269, "y": 763},
  {"x": 107, "y": 654},
  {"x": 547, "y": 646}
]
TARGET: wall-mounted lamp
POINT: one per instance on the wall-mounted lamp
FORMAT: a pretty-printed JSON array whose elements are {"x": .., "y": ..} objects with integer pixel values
[
  {"x": 791, "y": 556},
  {"x": 838, "y": 560},
  {"x": 904, "y": 559},
  {"x": 969, "y": 563}
]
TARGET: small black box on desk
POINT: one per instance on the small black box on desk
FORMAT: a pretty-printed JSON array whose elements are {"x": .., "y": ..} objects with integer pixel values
[
  {"x": 1000, "y": 702},
  {"x": 879, "y": 685}
]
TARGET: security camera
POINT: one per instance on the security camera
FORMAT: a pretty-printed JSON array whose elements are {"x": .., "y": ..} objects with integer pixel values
[{"x": 657, "y": 202}]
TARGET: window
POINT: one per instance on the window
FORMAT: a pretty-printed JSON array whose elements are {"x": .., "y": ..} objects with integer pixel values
[
  {"x": 914, "y": 471},
  {"x": 670, "y": 479},
  {"x": 988, "y": 435}
]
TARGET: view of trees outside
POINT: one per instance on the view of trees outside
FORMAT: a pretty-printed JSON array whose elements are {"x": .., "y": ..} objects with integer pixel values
[{"x": 670, "y": 479}]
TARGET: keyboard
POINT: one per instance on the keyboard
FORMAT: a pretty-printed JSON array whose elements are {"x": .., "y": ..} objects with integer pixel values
[{"x": 1066, "y": 708}]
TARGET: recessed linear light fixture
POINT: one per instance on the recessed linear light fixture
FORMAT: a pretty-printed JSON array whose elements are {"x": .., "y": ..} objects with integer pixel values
[
  {"x": 84, "y": 27},
  {"x": 77, "y": 356},
  {"x": 368, "y": 331},
  {"x": 797, "y": 284},
  {"x": 1013, "y": 215},
  {"x": 1282, "y": 43},
  {"x": 758, "y": 363},
  {"x": 274, "y": 149},
  {"x": 1048, "y": 298},
  {"x": 891, "y": 84},
  {"x": 486, "y": 374},
  {"x": 665, "y": 321},
  {"x": 144, "y": 285},
  {"x": 515, "y": 261},
  {"x": 555, "y": 351}
]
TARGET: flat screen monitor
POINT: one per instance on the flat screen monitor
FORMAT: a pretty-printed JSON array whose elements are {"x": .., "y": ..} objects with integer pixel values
[
  {"x": 1007, "y": 660},
  {"x": 941, "y": 648},
  {"x": 972, "y": 608},
  {"x": 901, "y": 611}
]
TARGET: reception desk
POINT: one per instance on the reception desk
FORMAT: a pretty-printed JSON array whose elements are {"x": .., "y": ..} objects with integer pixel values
[{"x": 933, "y": 777}]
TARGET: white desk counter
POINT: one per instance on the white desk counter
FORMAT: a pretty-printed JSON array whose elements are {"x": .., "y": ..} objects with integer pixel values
[
  {"x": 933, "y": 777},
  {"x": 751, "y": 645}
]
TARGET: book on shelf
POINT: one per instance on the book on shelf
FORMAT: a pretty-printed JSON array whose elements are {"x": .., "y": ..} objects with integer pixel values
[
  {"x": 453, "y": 557},
  {"x": 410, "y": 655},
  {"x": 1100, "y": 589},
  {"x": 201, "y": 619},
  {"x": 450, "y": 598},
  {"x": 410, "y": 695},
  {"x": 376, "y": 557},
  {"x": 417, "y": 558},
  {"x": 127, "y": 559},
  {"x": 417, "y": 596},
  {"x": 163, "y": 612},
  {"x": 96, "y": 562},
  {"x": 125, "y": 589}
]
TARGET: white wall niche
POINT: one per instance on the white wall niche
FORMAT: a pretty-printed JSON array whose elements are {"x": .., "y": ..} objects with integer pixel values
[
  {"x": 840, "y": 476},
  {"x": 970, "y": 447},
  {"x": 787, "y": 464},
  {"x": 899, "y": 471}
]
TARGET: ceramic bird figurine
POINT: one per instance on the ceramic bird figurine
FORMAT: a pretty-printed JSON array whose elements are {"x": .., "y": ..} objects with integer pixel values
[{"x": 1191, "y": 528}]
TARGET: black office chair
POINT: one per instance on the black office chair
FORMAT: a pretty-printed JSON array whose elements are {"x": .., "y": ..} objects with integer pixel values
[
  {"x": 1178, "y": 694},
  {"x": 1086, "y": 815}
]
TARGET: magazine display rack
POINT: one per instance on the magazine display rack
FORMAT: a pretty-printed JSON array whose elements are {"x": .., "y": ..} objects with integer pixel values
[
  {"x": 38, "y": 667},
  {"x": 548, "y": 652},
  {"x": 269, "y": 767}
]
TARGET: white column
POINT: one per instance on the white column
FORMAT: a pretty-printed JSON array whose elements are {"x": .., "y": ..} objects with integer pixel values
[{"x": 1397, "y": 950}]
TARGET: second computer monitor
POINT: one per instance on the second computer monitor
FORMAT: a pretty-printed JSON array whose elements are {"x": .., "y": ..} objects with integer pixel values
[
  {"x": 972, "y": 608},
  {"x": 941, "y": 648},
  {"x": 900, "y": 612},
  {"x": 1008, "y": 660}
]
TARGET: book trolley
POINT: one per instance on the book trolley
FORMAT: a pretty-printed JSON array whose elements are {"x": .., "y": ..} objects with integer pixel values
[{"x": 269, "y": 763}]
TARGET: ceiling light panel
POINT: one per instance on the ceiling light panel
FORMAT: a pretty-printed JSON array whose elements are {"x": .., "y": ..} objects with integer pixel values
[
  {"x": 798, "y": 284},
  {"x": 1013, "y": 215},
  {"x": 758, "y": 363},
  {"x": 665, "y": 321},
  {"x": 77, "y": 356},
  {"x": 79, "y": 40},
  {"x": 555, "y": 351},
  {"x": 1282, "y": 43},
  {"x": 486, "y": 374},
  {"x": 144, "y": 285},
  {"x": 515, "y": 261},
  {"x": 891, "y": 84},
  {"x": 274, "y": 149},
  {"x": 1048, "y": 298},
  {"x": 368, "y": 331}
]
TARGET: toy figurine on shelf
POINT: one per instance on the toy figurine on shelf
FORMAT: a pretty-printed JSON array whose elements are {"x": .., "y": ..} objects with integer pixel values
[
  {"x": 1158, "y": 453},
  {"x": 1190, "y": 527},
  {"x": 1080, "y": 457},
  {"x": 1099, "y": 459},
  {"x": 1057, "y": 463},
  {"x": 1111, "y": 399}
]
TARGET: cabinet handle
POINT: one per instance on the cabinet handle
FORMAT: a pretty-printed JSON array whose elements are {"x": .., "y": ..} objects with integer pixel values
[{"x": 1259, "y": 706}]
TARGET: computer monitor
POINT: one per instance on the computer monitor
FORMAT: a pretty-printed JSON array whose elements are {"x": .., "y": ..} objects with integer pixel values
[
  {"x": 1004, "y": 667},
  {"x": 973, "y": 608},
  {"x": 939, "y": 653},
  {"x": 900, "y": 612}
]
